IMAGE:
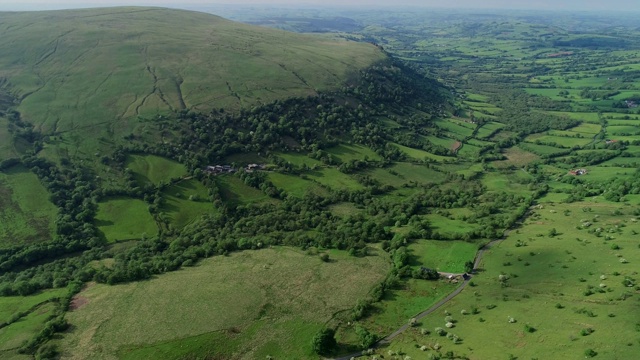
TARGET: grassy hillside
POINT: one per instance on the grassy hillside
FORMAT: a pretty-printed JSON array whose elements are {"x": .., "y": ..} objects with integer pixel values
[
  {"x": 90, "y": 73},
  {"x": 274, "y": 299}
]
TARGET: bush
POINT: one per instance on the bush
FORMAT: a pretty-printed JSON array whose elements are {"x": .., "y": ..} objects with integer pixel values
[
  {"x": 530, "y": 329},
  {"x": 590, "y": 353}
]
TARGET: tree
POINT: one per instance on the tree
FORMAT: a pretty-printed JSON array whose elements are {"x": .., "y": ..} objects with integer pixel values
[
  {"x": 324, "y": 341},
  {"x": 468, "y": 266},
  {"x": 367, "y": 339}
]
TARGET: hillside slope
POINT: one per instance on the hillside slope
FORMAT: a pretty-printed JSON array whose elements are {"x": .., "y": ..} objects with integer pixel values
[{"x": 101, "y": 68}]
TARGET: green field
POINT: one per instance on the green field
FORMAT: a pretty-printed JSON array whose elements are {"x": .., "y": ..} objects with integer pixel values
[
  {"x": 294, "y": 185},
  {"x": 417, "y": 173},
  {"x": 36, "y": 308},
  {"x": 334, "y": 179},
  {"x": 234, "y": 191},
  {"x": 154, "y": 169},
  {"x": 489, "y": 129},
  {"x": 26, "y": 214},
  {"x": 186, "y": 202},
  {"x": 444, "y": 256},
  {"x": 273, "y": 299},
  {"x": 421, "y": 154},
  {"x": 347, "y": 153},
  {"x": 125, "y": 219},
  {"x": 547, "y": 289}
]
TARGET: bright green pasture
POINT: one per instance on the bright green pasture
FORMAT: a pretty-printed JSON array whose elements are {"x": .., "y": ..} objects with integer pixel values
[
  {"x": 489, "y": 129},
  {"x": 589, "y": 117},
  {"x": 334, "y": 179},
  {"x": 154, "y": 169},
  {"x": 541, "y": 149},
  {"x": 237, "y": 192},
  {"x": 298, "y": 159},
  {"x": 469, "y": 150},
  {"x": 606, "y": 173},
  {"x": 450, "y": 225},
  {"x": 509, "y": 182},
  {"x": 623, "y": 130},
  {"x": 446, "y": 143},
  {"x": 622, "y": 161},
  {"x": 455, "y": 127},
  {"x": 14, "y": 335},
  {"x": 185, "y": 202},
  {"x": 622, "y": 122},
  {"x": 125, "y": 219},
  {"x": 26, "y": 214},
  {"x": 248, "y": 305},
  {"x": 560, "y": 141},
  {"x": 560, "y": 286},
  {"x": 444, "y": 256},
  {"x": 418, "y": 173},
  {"x": 10, "y": 305},
  {"x": 421, "y": 154},
  {"x": 346, "y": 152},
  {"x": 293, "y": 184},
  {"x": 552, "y": 197},
  {"x": 387, "y": 176}
]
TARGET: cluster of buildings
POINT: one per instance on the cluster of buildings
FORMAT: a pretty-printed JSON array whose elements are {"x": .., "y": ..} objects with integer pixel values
[
  {"x": 228, "y": 169},
  {"x": 578, "y": 172}
]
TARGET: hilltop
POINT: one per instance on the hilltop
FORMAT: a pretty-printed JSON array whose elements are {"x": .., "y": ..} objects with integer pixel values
[{"x": 95, "y": 73}]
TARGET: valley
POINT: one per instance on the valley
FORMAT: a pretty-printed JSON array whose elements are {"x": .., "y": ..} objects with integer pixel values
[{"x": 391, "y": 147}]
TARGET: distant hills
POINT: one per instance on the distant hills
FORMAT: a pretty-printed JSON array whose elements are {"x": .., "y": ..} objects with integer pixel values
[{"x": 97, "y": 72}]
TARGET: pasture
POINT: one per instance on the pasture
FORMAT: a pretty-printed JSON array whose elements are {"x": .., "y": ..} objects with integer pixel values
[
  {"x": 294, "y": 185},
  {"x": 334, "y": 179},
  {"x": 444, "y": 256},
  {"x": 347, "y": 152},
  {"x": 122, "y": 219},
  {"x": 237, "y": 192},
  {"x": 250, "y": 305},
  {"x": 151, "y": 169},
  {"x": 564, "y": 284},
  {"x": 185, "y": 202},
  {"x": 26, "y": 214}
]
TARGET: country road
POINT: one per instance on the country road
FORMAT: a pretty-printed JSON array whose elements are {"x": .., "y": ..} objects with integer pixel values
[{"x": 386, "y": 340}]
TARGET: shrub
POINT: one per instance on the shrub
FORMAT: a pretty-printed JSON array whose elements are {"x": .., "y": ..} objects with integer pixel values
[
  {"x": 586, "y": 332},
  {"x": 324, "y": 341},
  {"x": 440, "y": 331},
  {"x": 530, "y": 329},
  {"x": 491, "y": 306},
  {"x": 590, "y": 353}
]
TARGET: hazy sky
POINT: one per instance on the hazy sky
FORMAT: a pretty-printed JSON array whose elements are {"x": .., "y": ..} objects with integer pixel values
[{"x": 599, "y": 5}]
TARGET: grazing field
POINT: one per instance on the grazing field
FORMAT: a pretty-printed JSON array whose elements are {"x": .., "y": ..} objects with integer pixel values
[
  {"x": 450, "y": 226},
  {"x": 444, "y": 256},
  {"x": 248, "y": 305},
  {"x": 125, "y": 219},
  {"x": 567, "y": 286},
  {"x": 334, "y": 179},
  {"x": 541, "y": 150},
  {"x": 347, "y": 153},
  {"x": 558, "y": 141},
  {"x": 237, "y": 192},
  {"x": 298, "y": 159},
  {"x": 516, "y": 157},
  {"x": 154, "y": 169},
  {"x": 418, "y": 154},
  {"x": 294, "y": 185},
  {"x": 417, "y": 173},
  {"x": 489, "y": 129},
  {"x": 185, "y": 202},
  {"x": 26, "y": 214},
  {"x": 36, "y": 308}
]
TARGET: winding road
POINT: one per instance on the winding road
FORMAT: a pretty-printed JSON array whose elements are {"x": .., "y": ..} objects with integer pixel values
[{"x": 386, "y": 340}]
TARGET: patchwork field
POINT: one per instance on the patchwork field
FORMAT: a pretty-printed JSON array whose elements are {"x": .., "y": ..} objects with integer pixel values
[{"x": 274, "y": 299}]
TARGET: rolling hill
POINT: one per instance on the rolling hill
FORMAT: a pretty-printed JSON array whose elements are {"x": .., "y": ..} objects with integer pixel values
[{"x": 94, "y": 73}]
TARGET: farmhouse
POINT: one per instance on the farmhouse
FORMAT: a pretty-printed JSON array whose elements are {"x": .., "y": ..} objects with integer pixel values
[{"x": 578, "y": 172}]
